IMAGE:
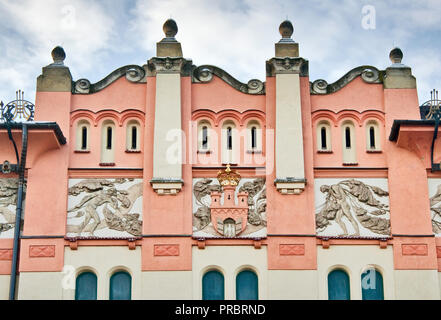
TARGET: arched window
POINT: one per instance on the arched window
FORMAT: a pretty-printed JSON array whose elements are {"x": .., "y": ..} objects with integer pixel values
[
  {"x": 247, "y": 286},
  {"x": 338, "y": 285},
  {"x": 204, "y": 134},
  {"x": 254, "y": 133},
  {"x": 83, "y": 128},
  {"x": 372, "y": 136},
  {"x": 120, "y": 286},
  {"x": 372, "y": 285},
  {"x": 86, "y": 286},
  {"x": 213, "y": 286},
  {"x": 107, "y": 142},
  {"x": 229, "y": 142},
  {"x": 349, "y": 147},
  {"x": 324, "y": 136},
  {"x": 133, "y": 135}
]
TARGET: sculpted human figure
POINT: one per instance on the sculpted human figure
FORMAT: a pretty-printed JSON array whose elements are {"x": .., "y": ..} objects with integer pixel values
[
  {"x": 91, "y": 203},
  {"x": 337, "y": 194}
]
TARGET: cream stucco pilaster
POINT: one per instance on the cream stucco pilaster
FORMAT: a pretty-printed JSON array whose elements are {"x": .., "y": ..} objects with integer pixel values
[
  {"x": 168, "y": 67},
  {"x": 287, "y": 68}
]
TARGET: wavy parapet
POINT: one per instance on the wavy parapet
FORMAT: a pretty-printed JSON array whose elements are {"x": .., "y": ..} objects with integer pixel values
[
  {"x": 133, "y": 73},
  {"x": 204, "y": 73},
  {"x": 369, "y": 74}
]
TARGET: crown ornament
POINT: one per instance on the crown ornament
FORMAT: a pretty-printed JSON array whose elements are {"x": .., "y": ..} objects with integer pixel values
[{"x": 228, "y": 177}]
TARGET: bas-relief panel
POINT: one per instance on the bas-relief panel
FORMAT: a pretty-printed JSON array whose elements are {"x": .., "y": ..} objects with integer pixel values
[
  {"x": 8, "y": 205},
  {"x": 352, "y": 207},
  {"x": 104, "y": 208},
  {"x": 256, "y": 212},
  {"x": 435, "y": 205}
]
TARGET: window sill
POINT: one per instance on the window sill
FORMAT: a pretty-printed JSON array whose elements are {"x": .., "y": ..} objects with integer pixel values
[
  {"x": 324, "y": 151},
  {"x": 350, "y": 164},
  {"x": 133, "y": 151},
  {"x": 204, "y": 151},
  {"x": 374, "y": 151},
  {"x": 107, "y": 164},
  {"x": 254, "y": 151},
  {"x": 82, "y": 151}
]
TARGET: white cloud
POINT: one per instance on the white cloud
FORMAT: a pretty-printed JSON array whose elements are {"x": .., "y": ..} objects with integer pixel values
[{"x": 238, "y": 36}]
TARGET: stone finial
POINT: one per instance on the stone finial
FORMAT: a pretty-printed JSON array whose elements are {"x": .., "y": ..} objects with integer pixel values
[
  {"x": 396, "y": 55},
  {"x": 286, "y": 29},
  {"x": 58, "y": 55},
  {"x": 170, "y": 28},
  {"x": 286, "y": 47}
]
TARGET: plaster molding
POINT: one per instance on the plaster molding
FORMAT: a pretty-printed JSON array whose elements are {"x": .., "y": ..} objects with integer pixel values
[
  {"x": 287, "y": 65},
  {"x": 133, "y": 73},
  {"x": 369, "y": 74},
  {"x": 204, "y": 74},
  {"x": 290, "y": 185},
  {"x": 165, "y": 186},
  {"x": 169, "y": 65}
]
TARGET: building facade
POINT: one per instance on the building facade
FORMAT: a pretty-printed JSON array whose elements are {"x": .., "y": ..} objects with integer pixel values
[{"x": 176, "y": 181}]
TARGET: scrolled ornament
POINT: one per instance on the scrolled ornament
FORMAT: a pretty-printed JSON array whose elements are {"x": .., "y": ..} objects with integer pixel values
[
  {"x": 135, "y": 74},
  {"x": 319, "y": 86},
  {"x": 82, "y": 86}
]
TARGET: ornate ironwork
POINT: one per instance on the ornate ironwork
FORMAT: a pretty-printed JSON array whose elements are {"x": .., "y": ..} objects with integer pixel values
[
  {"x": 431, "y": 110},
  {"x": 19, "y": 110}
]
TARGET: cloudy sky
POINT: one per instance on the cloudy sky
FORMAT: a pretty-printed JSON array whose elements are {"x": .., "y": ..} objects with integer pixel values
[{"x": 100, "y": 36}]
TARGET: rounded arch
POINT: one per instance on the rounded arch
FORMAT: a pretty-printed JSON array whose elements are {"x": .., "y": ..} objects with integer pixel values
[
  {"x": 247, "y": 284},
  {"x": 372, "y": 282},
  {"x": 82, "y": 115},
  {"x": 120, "y": 285},
  {"x": 83, "y": 269},
  {"x": 130, "y": 115},
  {"x": 348, "y": 116},
  {"x": 253, "y": 116},
  {"x": 204, "y": 114},
  {"x": 371, "y": 114},
  {"x": 324, "y": 115},
  {"x": 107, "y": 115},
  {"x": 213, "y": 283},
  {"x": 86, "y": 285},
  {"x": 338, "y": 282}
]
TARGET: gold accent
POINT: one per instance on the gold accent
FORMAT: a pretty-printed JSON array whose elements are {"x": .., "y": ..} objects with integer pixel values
[{"x": 228, "y": 177}]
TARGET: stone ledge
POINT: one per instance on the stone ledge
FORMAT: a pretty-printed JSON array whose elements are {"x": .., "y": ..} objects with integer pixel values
[
  {"x": 290, "y": 185},
  {"x": 166, "y": 186}
]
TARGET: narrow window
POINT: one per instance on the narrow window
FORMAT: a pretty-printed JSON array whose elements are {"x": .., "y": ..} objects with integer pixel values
[
  {"x": 338, "y": 285},
  {"x": 134, "y": 138},
  {"x": 323, "y": 138},
  {"x": 86, "y": 286},
  {"x": 247, "y": 287},
  {"x": 109, "y": 138},
  {"x": 253, "y": 138},
  {"x": 213, "y": 286},
  {"x": 372, "y": 285},
  {"x": 348, "y": 137},
  {"x": 372, "y": 137},
  {"x": 204, "y": 137},
  {"x": 84, "y": 138},
  {"x": 229, "y": 138},
  {"x": 120, "y": 286}
]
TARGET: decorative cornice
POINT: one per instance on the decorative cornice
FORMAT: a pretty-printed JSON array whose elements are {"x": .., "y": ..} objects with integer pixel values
[
  {"x": 369, "y": 74},
  {"x": 204, "y": 74},
  {"x": 133, "y": 73},
  {"x": 287, "y": 65},
  {"x": 169, "y": 65}
]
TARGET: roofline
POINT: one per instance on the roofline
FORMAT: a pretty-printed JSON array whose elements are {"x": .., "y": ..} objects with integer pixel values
[
  {"x": 397, "y": 124},
  {"x": 43, "y": 125}
]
